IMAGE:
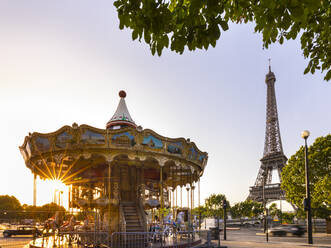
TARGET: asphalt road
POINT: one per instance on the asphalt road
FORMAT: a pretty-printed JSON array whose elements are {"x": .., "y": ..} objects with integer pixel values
[
  {"x": 254, "y": 237},
  {"x": 14, "y": 242}
]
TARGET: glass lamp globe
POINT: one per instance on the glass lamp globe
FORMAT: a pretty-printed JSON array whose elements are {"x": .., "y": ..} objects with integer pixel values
[{"x": 305, "y": 134}]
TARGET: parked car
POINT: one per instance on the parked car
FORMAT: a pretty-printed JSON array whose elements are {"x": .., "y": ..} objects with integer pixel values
[
  {"x": 283, "y": 230},
  {"x": 21, "y": 230}
]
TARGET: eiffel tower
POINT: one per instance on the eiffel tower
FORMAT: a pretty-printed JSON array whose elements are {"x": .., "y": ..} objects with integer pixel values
[{"x": 273, "y": 156}]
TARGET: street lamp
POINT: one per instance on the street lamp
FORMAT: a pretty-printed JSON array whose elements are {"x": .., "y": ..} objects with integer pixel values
[
  {"x": 307, "y": 206},
  {"x": 224, "y": 218}
]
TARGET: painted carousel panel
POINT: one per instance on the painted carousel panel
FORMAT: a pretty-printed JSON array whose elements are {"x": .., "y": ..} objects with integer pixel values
[
  {"x": 63, "y": 139},
  {"x": 202, "y": 157},
  {"x": 42, "y": 144},
  {"x": 123, "y": 139},
  {"x": 193, "y": 154},
  {"x": 175, "y": 148},
  {"x": 152, "y": 142},
  {"x": 93, "y": 138}
]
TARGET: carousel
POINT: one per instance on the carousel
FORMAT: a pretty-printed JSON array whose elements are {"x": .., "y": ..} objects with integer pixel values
[{"x": 121, "y": 171}]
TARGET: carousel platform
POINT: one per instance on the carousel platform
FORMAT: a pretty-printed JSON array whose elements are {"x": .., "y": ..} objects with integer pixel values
[{"x": 64, "y": 242}]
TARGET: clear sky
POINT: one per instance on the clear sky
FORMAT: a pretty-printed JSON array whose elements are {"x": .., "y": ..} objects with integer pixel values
[{"x": 65, "y": 61}]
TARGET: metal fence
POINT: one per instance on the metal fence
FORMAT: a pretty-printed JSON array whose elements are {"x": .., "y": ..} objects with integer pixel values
[
  {"x": 73, "y": 239},
  {"x": 157, "y": 239},
  {"x": 99, "y": 239},
  {"x": 90, "y": 232}
]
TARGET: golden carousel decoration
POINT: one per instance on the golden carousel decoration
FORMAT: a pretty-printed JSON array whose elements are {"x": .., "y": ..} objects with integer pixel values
[{"x": 120, "y": 171}]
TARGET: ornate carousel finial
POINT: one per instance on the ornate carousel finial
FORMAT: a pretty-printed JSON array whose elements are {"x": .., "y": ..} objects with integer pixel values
[
  {"x": 122, "y": 94},
  {"x": 122, "y": 117}
]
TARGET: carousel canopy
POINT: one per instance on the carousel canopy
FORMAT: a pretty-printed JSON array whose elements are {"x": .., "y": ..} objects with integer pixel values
[{"x": 75, "y": 153}]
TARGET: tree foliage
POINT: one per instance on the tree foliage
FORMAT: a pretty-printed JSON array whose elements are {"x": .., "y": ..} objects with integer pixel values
[
  {"x": 247, "y": 208},
  {"x": 288, "y": 218},
  {"x": 199, "y": 23},
  {"x": 293, "y": 177},
  {"x": 214, "y": 205},
  {"x": 8, "y": 205},
  {"x": 200, "y": 211},
  {"x": 11, "y": 209},
  {"x": 274, "y": 211}
]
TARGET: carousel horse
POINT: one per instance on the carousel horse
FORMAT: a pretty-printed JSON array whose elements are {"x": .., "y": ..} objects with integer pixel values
[
  {"x": 53, "y": 224},
  {"x": 169, "y": 223},
  {"x": 69, "y": 225},
  {"x": 180, "y": 220}
]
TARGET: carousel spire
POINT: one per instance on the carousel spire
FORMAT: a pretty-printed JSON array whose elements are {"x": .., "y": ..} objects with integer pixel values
[{"x": 122, "y": 117}]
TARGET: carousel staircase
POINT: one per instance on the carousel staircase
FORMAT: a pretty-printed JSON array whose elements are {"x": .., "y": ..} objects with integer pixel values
[{"x": 132, "y": 219}]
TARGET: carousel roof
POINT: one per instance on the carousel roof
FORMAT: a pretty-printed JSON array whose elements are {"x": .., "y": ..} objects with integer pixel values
[
  {"x": 76, "y": 153},
  {"x": 122, "y": 116}
]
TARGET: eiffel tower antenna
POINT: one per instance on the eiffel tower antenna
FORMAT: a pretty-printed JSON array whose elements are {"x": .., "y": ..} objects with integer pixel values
[{"x": 273, "y": 155}]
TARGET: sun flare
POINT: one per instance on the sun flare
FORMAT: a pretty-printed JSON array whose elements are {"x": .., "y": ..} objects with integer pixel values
[
  {"x": 57, "y": 191},
  {"x": 57, "y": 185}
]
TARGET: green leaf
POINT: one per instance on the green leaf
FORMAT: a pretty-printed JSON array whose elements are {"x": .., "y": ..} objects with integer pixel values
[
  {"x": 159, "y": 48},
  {"x": 153, "y": 49},
  {"x": 165, "y": 40},
  {"x": 306, "y": 70},
  {"x": 117, "y": 4},
  {"x": 224, "y": 25},
  {"x": 134, "y": 34},
  {"x": 147, "y": 36},
  {"x": 281, "y": 40},
  {"x": 297, "y": 12},
  {"x": 328, "y": 76}
]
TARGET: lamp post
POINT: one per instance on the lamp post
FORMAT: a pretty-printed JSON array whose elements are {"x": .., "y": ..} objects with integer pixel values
[
  {"x": 224, "y": 218},
  {"x": 266, "y": 223},
  {"x": 307, "y": 206}
]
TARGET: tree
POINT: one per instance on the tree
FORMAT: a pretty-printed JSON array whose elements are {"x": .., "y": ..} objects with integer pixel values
[
  {"x": 48, "y": 210},
  {"x": 201, "y": 212},
  {"x": 9, "y": 205},
  {"x": 247, "y": 208},
  {"x": 288, "y": 217},
  {"x": 214, "y": 205},
  {"x": 274, "y": 211},
  {"x": 199, "y": 23},
  {"x": 293, "y": 177},
  {"x": 257, "y": 209}
]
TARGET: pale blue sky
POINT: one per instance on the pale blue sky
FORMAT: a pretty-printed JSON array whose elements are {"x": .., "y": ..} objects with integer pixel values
[{"x": 65, "y": 61}]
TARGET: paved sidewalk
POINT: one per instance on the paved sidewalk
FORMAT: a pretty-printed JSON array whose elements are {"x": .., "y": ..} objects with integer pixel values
[
  {"x": 274, "y": 244},
  {"x": 253, "y": 237}
]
